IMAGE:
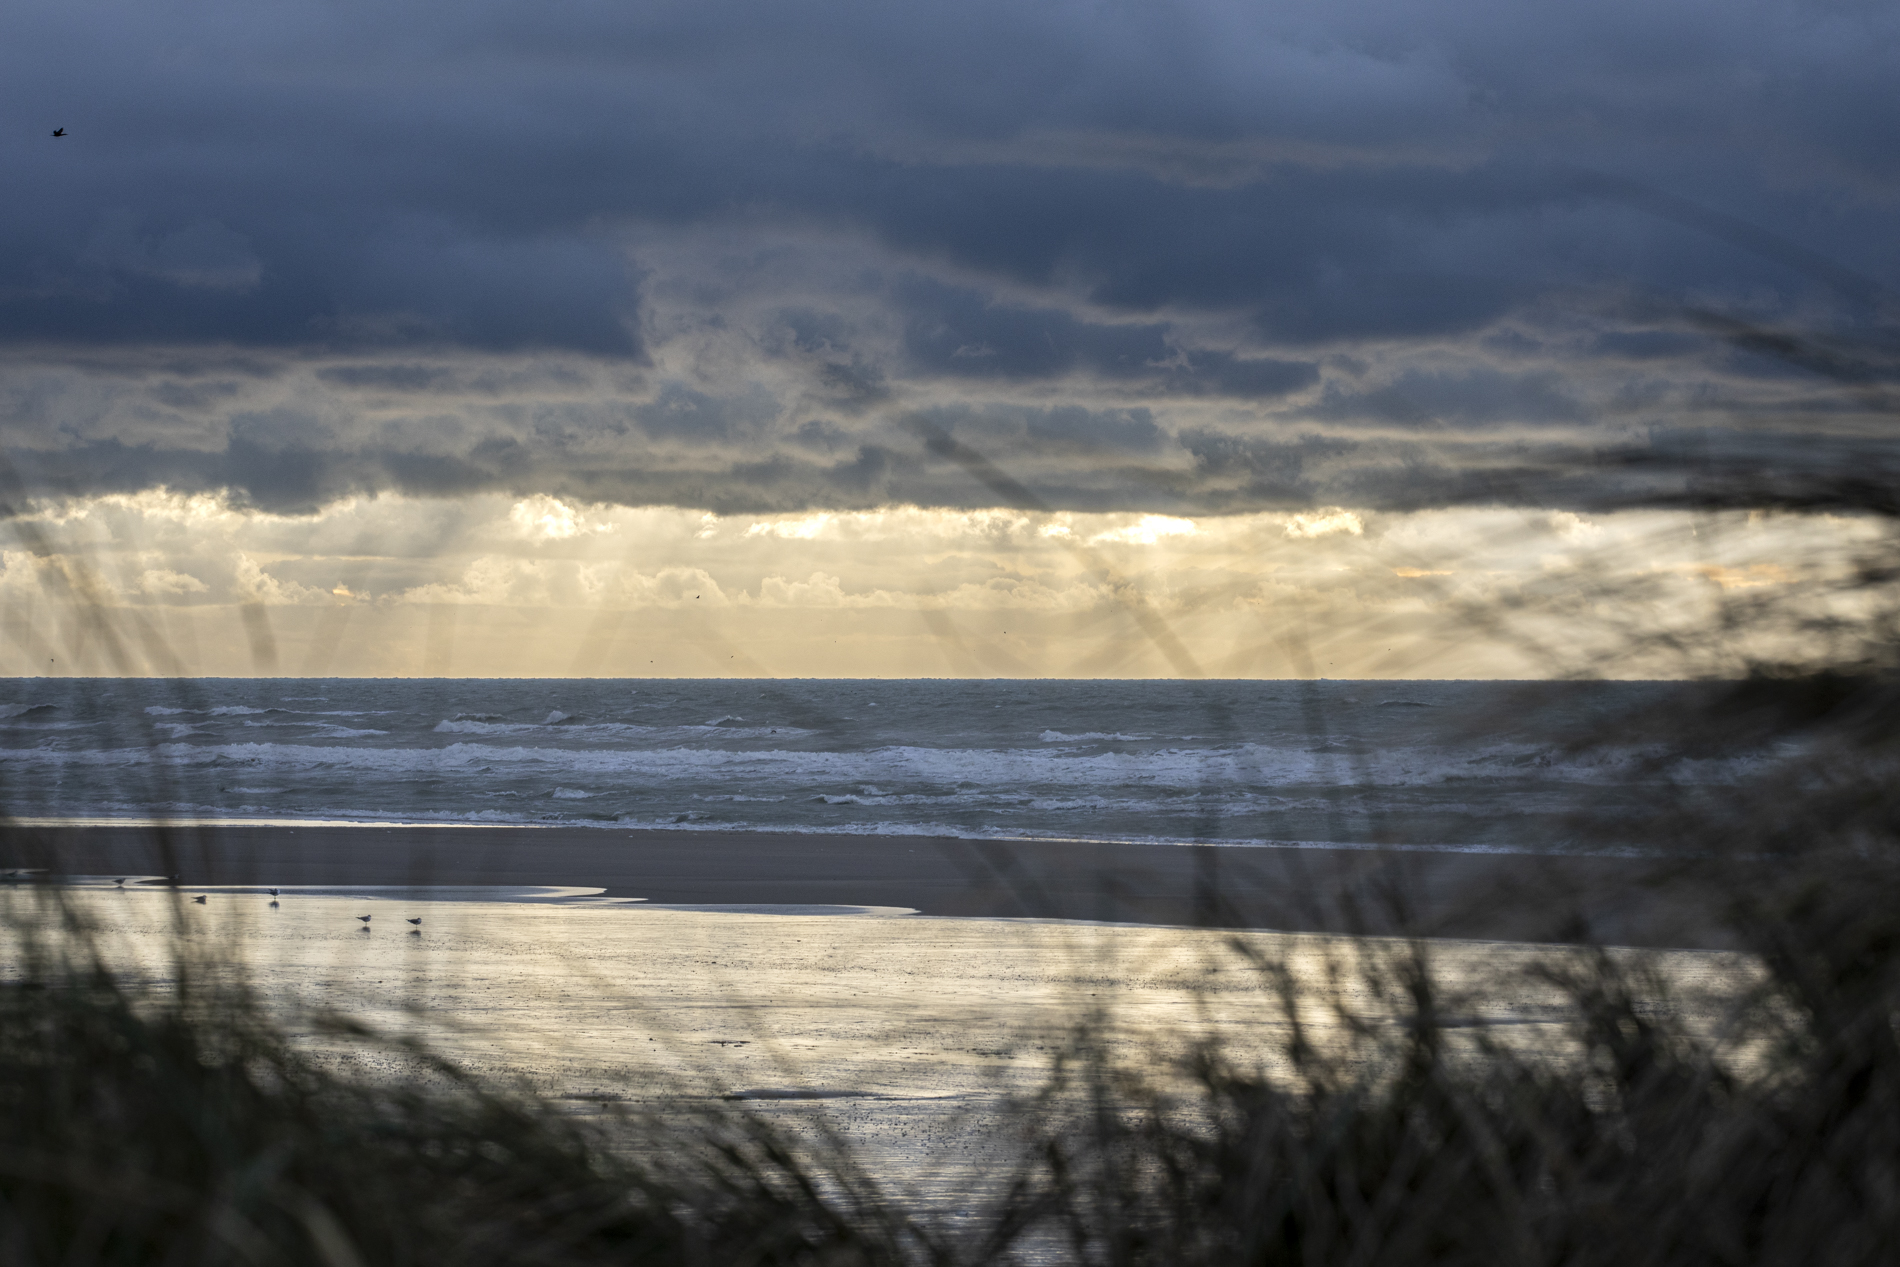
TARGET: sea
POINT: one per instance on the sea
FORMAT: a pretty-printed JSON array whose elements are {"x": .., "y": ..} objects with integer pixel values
[{"x": 1479, "y": 766}]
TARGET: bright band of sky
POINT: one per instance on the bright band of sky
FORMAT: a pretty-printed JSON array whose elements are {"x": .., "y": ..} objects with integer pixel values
[{"x": 158, "y": 583}]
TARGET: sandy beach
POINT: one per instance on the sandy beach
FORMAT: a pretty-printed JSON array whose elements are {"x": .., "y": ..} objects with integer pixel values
[
  {"x": 1492, "y": 896},
  {"x": 905, "y": 1034}
]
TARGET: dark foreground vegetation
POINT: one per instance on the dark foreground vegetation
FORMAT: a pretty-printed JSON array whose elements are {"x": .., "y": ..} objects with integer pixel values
[
  {"x": 189, "y": 1126},
  {"x": 192, "y": 1129}
]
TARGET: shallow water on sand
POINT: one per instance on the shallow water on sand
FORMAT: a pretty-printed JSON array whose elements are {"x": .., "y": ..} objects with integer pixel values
[{"x": 908, "y": 1034}]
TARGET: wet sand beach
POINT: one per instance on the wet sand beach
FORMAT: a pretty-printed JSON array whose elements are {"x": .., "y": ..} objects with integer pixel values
[
  {"x": 906, "y": 1034},
  {"x": 1491, "y": 896}
]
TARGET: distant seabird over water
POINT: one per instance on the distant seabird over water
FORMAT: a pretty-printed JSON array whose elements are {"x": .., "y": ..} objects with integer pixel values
[{"x": 59, "y": 131}]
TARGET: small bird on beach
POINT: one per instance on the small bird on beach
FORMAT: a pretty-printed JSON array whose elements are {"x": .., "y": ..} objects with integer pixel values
[
  {"x": 59, "y": 131},
  {"x": 416, "y": 920},
  {"x": 200, "y": 899},
  {"x": 272, "y": 892},
  {"x": 120, "y": 881},
  {"x": 365, "y": 919}
]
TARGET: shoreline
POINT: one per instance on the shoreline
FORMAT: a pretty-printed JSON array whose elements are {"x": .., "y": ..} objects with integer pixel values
[
  {"x": 1300, "y": 888},
  {"x": 723, "y": 831}
]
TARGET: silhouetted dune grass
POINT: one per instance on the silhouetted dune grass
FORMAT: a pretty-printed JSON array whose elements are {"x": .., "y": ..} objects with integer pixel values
[
  {"x": 1436, "y": 1144},
  {"x": 188, "y": 1127}
]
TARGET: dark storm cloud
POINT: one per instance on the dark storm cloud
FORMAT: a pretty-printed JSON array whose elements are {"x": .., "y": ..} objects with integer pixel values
[
  {"x": 682, "y": 413},
  {"x": 716, "y": 253},
  {"x": 1471, "y": 399},
  {"x": 957, "y": 333}
]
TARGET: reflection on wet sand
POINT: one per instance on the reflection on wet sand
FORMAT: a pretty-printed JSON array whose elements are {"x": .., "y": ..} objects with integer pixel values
[{"x": 908, "y": 1033}]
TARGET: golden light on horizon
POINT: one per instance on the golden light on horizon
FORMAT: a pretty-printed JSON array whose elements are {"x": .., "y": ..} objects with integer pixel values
[{"x": 538, "y": 586}]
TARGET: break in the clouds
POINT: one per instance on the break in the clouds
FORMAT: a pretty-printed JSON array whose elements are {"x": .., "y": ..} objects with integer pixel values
[
  {"x": 488, "y": 586},
  {"x": 1179, "y": 258}
]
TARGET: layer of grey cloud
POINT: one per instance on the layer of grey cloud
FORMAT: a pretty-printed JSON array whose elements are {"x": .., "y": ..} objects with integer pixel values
[{"x": 1177, "y": 256}]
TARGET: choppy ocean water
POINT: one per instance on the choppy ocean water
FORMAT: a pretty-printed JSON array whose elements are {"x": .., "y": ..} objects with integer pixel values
[{"x": 1460, "y": 765}]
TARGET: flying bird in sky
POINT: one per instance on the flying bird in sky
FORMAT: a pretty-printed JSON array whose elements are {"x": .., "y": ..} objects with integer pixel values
[{"x": 59, "y": 131}]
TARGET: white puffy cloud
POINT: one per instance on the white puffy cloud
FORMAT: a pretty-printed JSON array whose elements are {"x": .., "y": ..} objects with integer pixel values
[
  {"x": 166, "y": 581},
  {"x": 1146, "y": 531},
  {"x": 549, "y": 518},
  {"x": 1324, "y": 523}
]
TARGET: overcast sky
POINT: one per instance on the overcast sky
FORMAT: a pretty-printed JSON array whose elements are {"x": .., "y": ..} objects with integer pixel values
[{"x": 1183, "y": 259}]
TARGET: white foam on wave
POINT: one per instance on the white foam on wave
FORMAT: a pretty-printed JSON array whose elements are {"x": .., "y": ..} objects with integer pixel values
[
  {"x": 577, "y": 730},
  {"x": 1092, "y": 736},
  {"x": 474, "y": 727},
  {"x": 729, "y": 733},
  {"x": 321, "y": 729},
  {"x": 1028, "y": 769},
  {"x": 943, "y": 831}
]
